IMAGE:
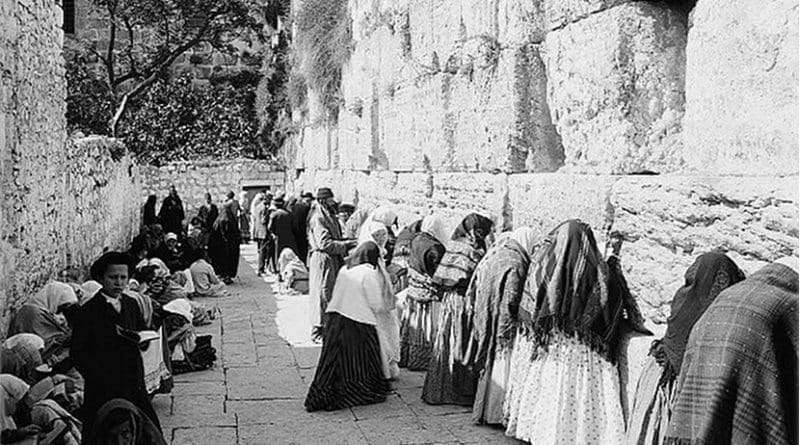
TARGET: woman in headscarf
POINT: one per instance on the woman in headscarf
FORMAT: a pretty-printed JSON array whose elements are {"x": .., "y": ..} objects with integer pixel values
[
  {"x": 149, "y": 211},
  {"x": 43, "y": 315},
  {"x": 447, "y": 380},
  {"x": 223, "y": 244},
  {"x": 564, "y": 386},
  {"x": 349, "y": 370},
  {"x": 21, "y": 355},
  {"x": 353, "y": 225},
  {"x": 386, "y": 216},
  {"x": 387, "y": 322},
  {"x": 402, "y": 247},
  {"x": 419, "y": 317},
  {"x": 119, "y": 421},
  {"x": 738, "y": 377},
  {"x": 710, "y": 274},
  {"x": 254, "y": 211},
  {"x": 293, "y": 271},
  {"x": 13, "y": 391},
  {"x": 494, "y": 295}
]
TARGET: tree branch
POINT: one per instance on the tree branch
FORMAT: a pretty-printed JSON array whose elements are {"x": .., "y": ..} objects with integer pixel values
[{"x": 111, "y": 42}]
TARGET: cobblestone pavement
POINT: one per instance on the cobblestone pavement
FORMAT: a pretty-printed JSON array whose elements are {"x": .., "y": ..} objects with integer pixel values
[{"x": 255, "y": 392}]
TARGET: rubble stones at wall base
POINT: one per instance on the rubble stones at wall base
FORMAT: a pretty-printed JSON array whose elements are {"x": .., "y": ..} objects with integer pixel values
[{"x": 666, "y": 221}]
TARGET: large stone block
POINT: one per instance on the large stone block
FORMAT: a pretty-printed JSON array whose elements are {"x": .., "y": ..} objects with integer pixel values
[
  {"x": 741, "y": 88},
  {"x": 560, "y": 13},
  {"x": 668, "y": 221},
  {"x": 615, "y": 89}
]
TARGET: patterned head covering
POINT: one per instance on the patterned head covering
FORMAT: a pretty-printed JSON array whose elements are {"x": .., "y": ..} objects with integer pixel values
[
  {"x": 709, "y": 275},
  {"x": 476, "y": 224},
  {"x": 14, "y": 390}
]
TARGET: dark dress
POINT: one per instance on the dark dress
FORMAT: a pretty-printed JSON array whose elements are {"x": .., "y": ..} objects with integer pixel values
[
  {"x": 149, "y": 214},
  {"x": 300, "y": 213},
  {"x": 223, "y": 245},
  {"x": 171, "y": 215},
  {"x": 281, "y": 224},
  {"x": 110, "y": 363}
]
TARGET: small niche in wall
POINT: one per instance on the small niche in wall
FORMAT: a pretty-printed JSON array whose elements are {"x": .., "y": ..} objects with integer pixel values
[{"x": 68, "y": 8}]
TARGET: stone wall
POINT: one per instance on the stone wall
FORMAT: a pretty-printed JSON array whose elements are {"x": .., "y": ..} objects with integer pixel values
[
  {"x": 193, "y": 179},
  {"x": 64, "y": 201}
]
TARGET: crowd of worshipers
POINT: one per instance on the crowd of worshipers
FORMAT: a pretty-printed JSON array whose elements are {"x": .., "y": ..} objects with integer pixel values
[
  {"x": 528, "y": 332},
  {"x": 82, "y": 360}
]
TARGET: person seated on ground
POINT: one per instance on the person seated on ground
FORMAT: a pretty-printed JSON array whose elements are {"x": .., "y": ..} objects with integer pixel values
[
  {"x": 293, "y": 271},
  {"x": 349, "y": 370},
  {"x": 43, "y": 315},
  {"x": 172, "y": 253},
  {"x": 21, "y": 355},
  {"x": 205, "y": 280},
  {"x": 121, "y": 422},
  {"x": 197, "y": 235},
  {"x": 138, "y": 249},
  {"x": 105, "y": 344},
  {"x": 28, "y": 412}
]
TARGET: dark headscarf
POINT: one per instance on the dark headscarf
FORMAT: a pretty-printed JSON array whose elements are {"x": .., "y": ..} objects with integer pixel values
[
  {"x": 710, "y": 274},
  {"x": 476, "y": 223},
  {"x": 115, "y": 411},
  {"x": 366, "y": 252},
  {"x": 402, "y": 245},
  {"x": 569, "y": 291}
]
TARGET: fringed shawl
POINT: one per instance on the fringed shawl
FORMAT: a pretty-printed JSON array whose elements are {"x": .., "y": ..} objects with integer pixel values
[
  {"x": 403, "y": 243},
  {"x": 570, "y": 290},
  {"x": 426, "y": 254},
  {"x": 494, "y": 295},
  {"x": 738, "y": 382},
  {"x": 709, "y": 275},
  {"x": 457, "y": 265}
]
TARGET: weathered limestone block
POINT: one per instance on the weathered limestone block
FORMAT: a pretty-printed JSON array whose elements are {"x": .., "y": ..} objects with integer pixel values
[
  {"x": 560, "y": 13},
  {"x": 615, "y": 89},
  {"x": 542, "y": 201},
  {"x": 668, "y": 221},
  {"x": 741, "y": 88},
  {"x": 457, "y": 194}
]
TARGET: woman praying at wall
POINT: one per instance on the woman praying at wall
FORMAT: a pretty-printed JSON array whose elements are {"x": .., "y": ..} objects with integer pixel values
[
  {"x": 494, "y": 295},
  {"x": 105, "y": 344},
  {"x": 448, "y": 381},
  {"x": 349, "y": 371},
  {"x": 418, "y": 322},
  {"x": 738, "y": 377},
  {"x": 710, "y": 274},
  {"x": 564, "y": 386}
]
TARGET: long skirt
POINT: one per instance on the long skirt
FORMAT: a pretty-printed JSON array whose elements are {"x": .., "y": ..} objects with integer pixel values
[
  {"x": 349, "y": 369},
  {"x": 492, "y": 384},
  {"x": 447, "y": 380},
  {"x": 651, "y": 407},
  {"x": 417, "y": 332},
  {"x": 567, "y": 393}
]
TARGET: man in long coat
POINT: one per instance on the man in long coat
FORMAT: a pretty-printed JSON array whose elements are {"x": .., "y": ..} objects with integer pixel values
[
  {"x": 281, "y": 225},
  {"x": 300, "y": 213},
  {"x": 327, "y": 251},
  {"x": 171, "y": 214}
]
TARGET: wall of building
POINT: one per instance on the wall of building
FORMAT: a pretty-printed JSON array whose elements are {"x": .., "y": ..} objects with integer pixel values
[
  {"x": 61, "y": 198},
  {"x": 193, "y": 179}
]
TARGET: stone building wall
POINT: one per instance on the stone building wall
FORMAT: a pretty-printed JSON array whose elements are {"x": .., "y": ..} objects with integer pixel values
[
  {"x": 193, "y": 179},
  {"x": 61, "y": 198}
]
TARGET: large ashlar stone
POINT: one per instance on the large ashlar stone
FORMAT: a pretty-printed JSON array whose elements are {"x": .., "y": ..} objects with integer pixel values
[
  {"x": 741, "y": 87},
  {"x": 559, "y": 13},
  {"x": 616, "y": 89}
]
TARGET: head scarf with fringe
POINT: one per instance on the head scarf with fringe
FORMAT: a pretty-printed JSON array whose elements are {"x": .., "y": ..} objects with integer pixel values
[
  {"x": 474, "y": 224},
  {"x": 569, "y": 290}
]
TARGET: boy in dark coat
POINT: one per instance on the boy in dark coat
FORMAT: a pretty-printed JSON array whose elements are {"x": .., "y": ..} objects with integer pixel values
[{"x": 105, "y": 345}]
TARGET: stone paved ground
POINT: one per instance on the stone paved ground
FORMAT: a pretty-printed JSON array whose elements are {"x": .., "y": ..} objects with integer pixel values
[{"x": 255, "y": 393}]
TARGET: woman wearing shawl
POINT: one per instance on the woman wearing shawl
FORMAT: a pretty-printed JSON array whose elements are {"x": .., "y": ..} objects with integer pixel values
[
  {"x": 402, "y": 247},
  {"x": 705, "y": 279},
  {"x": 448, "y": 381},
  {"x": 418, "y": 321},
  {"x": 13, "y": 391},
  {"x": 387, "y": 323},
  {"x": 293, "y": 271},
  {"x": 386, "y": 217},
  {"x": 21, "y": 355},
  {"x": 564, "y": 384},
  {"x": 738, "y": 378},
  {"x": 327, "y": 249},
  {"x": 494, "y": 294},
  {"x": 223, "y": 244},
  {"x": 353, "y": 225},
  {"x": 349, "y": 369},
  {"x": 119, "y": 421},
  {"x": 42, "y": 315}
]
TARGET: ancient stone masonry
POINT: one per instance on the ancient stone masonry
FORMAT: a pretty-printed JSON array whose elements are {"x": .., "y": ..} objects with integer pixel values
[
  {"x": 679, "y": 132},
  {"x": 193, "y": 179},
  {"x": 63, "y": 200}
]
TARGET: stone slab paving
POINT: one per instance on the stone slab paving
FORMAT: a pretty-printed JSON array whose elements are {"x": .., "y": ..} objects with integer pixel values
[{"x": 266, "y": 361}]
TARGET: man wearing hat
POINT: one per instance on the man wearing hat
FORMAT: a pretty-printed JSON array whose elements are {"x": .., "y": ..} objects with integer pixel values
[
  {"x": 327, "y": 250},
  {"x": 300, "y": 213},
  {"x": 281, "y": 225}
]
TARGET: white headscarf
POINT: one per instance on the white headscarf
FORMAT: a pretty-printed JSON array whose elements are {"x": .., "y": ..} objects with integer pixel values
[
  {"x": 376, "y": 232},
  {"x": 13, "y": 390},
  {"x": 433, "y": 226},
  {"x": 525, "y": 237},
  {"x": 90, "y": 289},
  {"x": 384, "y": 215},
  {"x": 181, "y": 307},
  {"x": 53, "y": 295},
  {"x": 31, "y": 341}
]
